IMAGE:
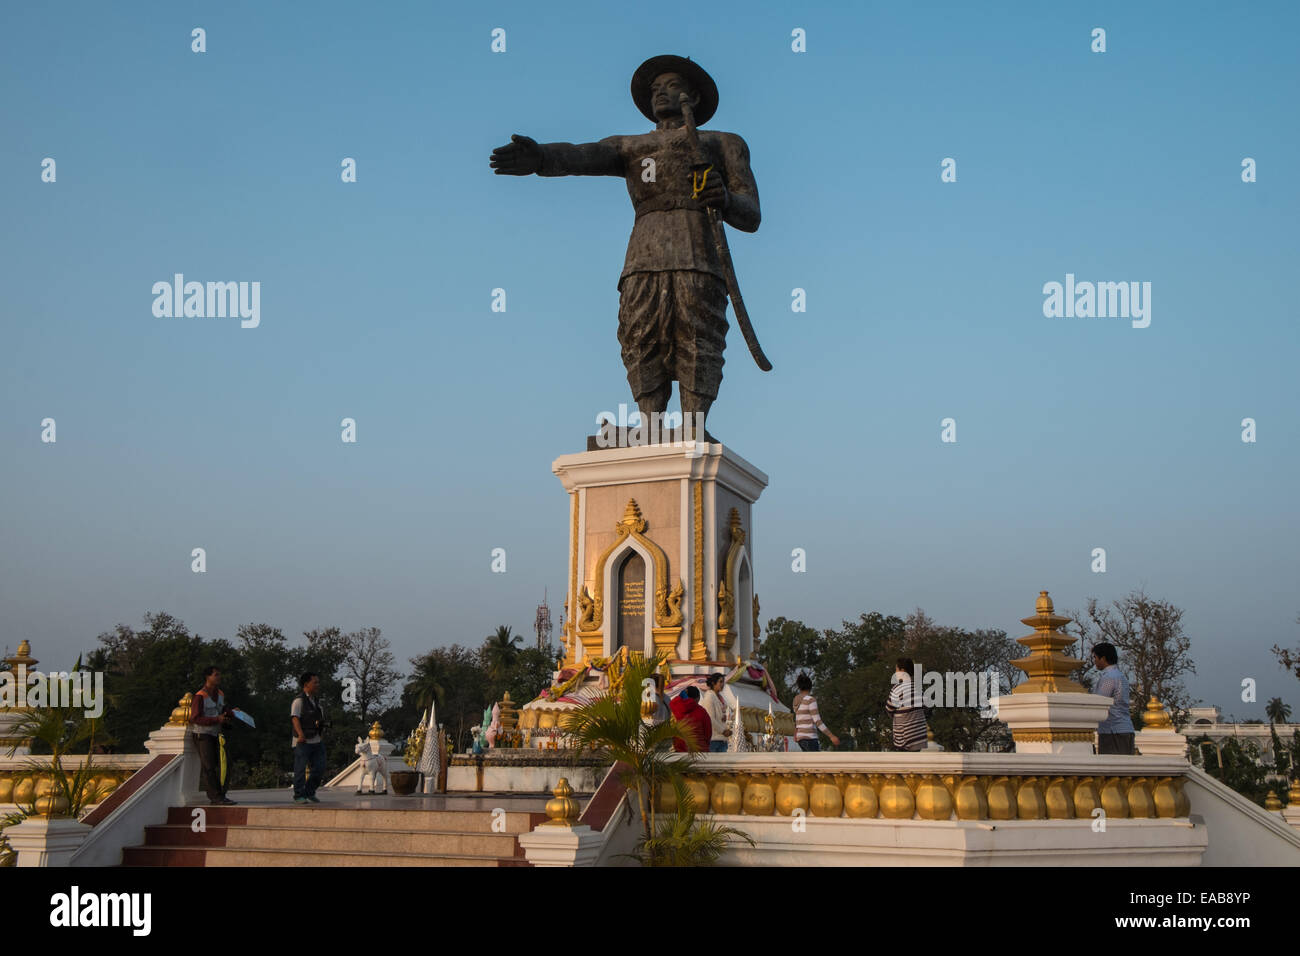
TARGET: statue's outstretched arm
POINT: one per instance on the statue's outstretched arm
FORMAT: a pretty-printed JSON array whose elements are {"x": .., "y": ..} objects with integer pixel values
[
  {"x": 523, "y": 156},
  {"x": 583, "y": 159}
]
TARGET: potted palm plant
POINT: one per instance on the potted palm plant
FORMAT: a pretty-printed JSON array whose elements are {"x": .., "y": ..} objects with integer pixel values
[{"x": 643, "y": 752}]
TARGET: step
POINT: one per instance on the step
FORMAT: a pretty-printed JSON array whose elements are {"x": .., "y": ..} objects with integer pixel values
[
  {"x": 164, "y": 856},
  {"x": 326, "y": 817},
  {"x": 341, "y": 839}
]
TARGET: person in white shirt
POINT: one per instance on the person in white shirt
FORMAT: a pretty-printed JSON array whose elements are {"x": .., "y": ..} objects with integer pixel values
[{"x": 712, "y": 702}]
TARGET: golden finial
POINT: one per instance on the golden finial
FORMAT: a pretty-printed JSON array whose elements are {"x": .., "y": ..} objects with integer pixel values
[
  {"x": 376, "y": 732},
  {"x": 1155, "y": 717},
  {"x": 1271, "y": 802},
  {"x": 181, "y": 713},
  {"x": 23, "y": 657},
  {"x": 562, "y": 809},
  {"x": 632, "y": 517},
  {"x": 1293, "y": 795},
  {"x": 1047, "y": 668}
]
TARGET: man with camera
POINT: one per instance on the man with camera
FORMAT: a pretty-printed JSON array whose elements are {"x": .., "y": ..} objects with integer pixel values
[
  {"x": 308, "y": 749},
  {"x": 208, "y": 715}
]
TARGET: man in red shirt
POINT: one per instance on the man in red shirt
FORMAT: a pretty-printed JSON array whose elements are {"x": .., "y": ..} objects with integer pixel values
[{"x": 686, "y": 708}]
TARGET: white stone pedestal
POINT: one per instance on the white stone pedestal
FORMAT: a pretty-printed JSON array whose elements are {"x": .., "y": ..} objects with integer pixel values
[
  {"x": 687, "y": 513},
  {"x": 1160, "y": 743},
  {"x": 561, "y": 845},
  {"x": 38, "y": 841},
  {"x": 176, "y": 739},
  {"x": 1052, "y": 723}
]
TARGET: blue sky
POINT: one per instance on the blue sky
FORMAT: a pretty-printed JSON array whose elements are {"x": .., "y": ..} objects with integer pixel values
[{"x": 924, "y": 302}]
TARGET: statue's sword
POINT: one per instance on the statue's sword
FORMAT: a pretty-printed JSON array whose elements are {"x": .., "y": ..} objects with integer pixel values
[{"x": 724, "y": 251}]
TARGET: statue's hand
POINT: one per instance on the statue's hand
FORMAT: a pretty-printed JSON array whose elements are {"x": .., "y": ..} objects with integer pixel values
[
  {"x": 520, "y": 157},
  {"x": 715, "y": 193}
]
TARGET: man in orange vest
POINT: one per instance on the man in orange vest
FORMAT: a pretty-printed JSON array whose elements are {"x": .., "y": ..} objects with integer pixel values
[{"x": 207, "y": 716}]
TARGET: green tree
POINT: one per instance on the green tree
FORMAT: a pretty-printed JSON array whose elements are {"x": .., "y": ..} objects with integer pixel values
[
  {"x": 500, "y": 652},
  {"x": 789, "y": 647},
  {"x": 1235, "y": 764},
  {"x": 1154, "y": 650},
  {"x": 531, "y": 673},
  {"x": 459, "y": 673},
  {"x": 1277, "y": 712},
  {"x": 368, "y": 663}
]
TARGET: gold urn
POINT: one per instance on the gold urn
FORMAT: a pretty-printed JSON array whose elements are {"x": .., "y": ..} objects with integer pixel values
[
  {"x": 791, "y": 796},
  {"x": 727, "y": 797},
  {"x": 824, "y": 797},
  {"x": 933, "y": 801},
  {"x": 760, "y": 799},
  {"x": 896, "y": 799},
  {"x": 860, "y": 800}
]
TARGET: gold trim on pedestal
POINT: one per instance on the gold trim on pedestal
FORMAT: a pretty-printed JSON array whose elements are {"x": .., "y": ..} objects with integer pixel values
[
  {"x": 571, "y": 600},
  {"x": 726, "y": 599},
  {"x": 631, "y": 525},
  {"x": 699, "y": 651},
  {"x": 1051, "y": 735}
]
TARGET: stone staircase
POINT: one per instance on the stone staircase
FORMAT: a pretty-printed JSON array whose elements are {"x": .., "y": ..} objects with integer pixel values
[{"x": 324, "y": 835}]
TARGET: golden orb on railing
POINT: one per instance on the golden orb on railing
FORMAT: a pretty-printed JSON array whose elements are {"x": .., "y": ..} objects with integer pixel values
[
  {"x": 562, "y": 810},
  {"x": 1155, "y": 717},
  {"x": 180, "y": 715}
]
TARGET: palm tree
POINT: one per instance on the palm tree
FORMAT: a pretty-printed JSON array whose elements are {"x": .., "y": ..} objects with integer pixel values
[
  {"x": 1278, "y": 712},
  {"x": 613, "y": 725},
  {"x": 60, "y": 731},
  {"x": 426, "y": 684},
  {"x": 645, "y": 753},
  {"x": 500, "y": 652}
]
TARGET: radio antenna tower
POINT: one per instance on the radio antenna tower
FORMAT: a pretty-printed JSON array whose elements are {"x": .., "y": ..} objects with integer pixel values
[{"x": 542, "y": 625}]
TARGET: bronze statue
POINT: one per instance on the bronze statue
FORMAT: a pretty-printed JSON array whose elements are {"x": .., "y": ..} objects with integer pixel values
[{"x": 672, "y": 314}]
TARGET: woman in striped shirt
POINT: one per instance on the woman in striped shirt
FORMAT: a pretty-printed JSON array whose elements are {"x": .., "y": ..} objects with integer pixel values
[
  {"x": 807, "y": 721},
  {"x": 905, "y": 705}
]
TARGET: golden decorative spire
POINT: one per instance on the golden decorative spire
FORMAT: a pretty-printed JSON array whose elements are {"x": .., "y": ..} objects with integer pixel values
[
  {"x": 1047, "y": 668},
  {"x": 1155, "y": 717},
  {"x": 23, "y": 657},
  {"x": 376, "y": 732},
  {"x": 562, "y": 809},
  {"x": 180, "y": 715},
  {"x": 1293, "y": 795},
  {"x": 1271, "y": 802},
  {"x": 632, "y": 517}
]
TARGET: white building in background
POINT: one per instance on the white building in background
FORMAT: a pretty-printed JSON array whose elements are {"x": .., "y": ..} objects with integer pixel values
[{"x": 1208, "y": 721}]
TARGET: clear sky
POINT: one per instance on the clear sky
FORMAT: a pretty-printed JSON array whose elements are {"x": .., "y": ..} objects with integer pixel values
[{"x": 924, "y": 301}]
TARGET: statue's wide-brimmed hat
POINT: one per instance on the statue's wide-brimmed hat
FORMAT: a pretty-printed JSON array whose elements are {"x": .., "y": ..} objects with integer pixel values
[{"x": 692, "y": 72}]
